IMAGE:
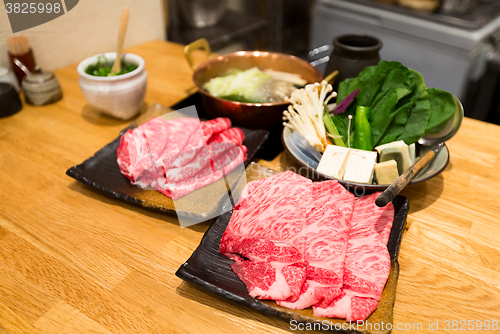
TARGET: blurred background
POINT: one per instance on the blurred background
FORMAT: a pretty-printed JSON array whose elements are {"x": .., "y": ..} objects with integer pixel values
[{"x": 453, "y": 43}]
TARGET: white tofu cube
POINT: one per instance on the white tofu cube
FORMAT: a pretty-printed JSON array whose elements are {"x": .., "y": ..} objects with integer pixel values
[
  {"x": 334, "y": 161},
  {"x": 360, "y": 166}
]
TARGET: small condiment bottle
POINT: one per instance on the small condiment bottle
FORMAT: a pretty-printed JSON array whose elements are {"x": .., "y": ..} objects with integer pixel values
[
  {"x": 19, "y": 48},
  {"x": 41, "y": 88}
]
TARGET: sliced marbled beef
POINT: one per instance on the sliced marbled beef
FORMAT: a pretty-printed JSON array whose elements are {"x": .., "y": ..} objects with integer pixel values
[
  {"x": 185, "y": 135},
  {"x": 338, "y": 250},
  {"x": 182, "y": 181},
  {"x": 367, "y": 262},
  {"x": 141, "y": 150},
  {"x": 205, "y": 158},
  {"x": 232, "y": 135},
  {"x": 151, "y": 153},
  {"x": 266, "y": 236},
  {"x": 214, "y": 126},
  {"x": 327, "y": 232},
  {"x": 185, "y": 187}
]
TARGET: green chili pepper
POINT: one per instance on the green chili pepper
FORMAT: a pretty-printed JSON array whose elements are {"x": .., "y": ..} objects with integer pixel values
[{"x": 363, "y": 138}]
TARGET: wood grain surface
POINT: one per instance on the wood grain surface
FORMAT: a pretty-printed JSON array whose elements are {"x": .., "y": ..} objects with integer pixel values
[{"x": 75, "y": 261}]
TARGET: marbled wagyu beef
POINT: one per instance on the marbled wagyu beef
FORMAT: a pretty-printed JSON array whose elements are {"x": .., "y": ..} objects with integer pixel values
[
  {"x": 266, "y": 236},
  {"x": 178, "y": 156},
  {"x": 310, "y": 244},
  {"x": 367, "y": 263},
  {"x": 327, "y": 231}
]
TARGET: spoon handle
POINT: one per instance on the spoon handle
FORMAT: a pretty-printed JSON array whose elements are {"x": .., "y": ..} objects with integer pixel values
[
  {"x": 395, "y": 188},
  {"x": 21, "y": 66},
  {"x": 121, "y": 37}
]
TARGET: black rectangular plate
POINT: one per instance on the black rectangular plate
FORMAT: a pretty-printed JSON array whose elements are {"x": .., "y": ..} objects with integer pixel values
[
  {"x": 210, "y": 270},
  {"x": 102, "y": 173}
]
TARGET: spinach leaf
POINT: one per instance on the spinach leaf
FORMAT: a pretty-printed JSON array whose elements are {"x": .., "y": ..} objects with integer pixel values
[
  {"x": 346, "y": 87},
  {"x": 341, "y": 121},
  {"x": 403, "y": 110},
  {"x": 442, "y": 107},
  {"x": 397, "y": 125},
  {"x": 419, "y": 115},
  {"x": 372, "y": 80},
  {"x": 396, "y": 84}
]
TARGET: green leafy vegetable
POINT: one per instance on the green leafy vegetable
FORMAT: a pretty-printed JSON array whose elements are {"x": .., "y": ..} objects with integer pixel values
[
  {"x": 341, "y": 121},
  {"x": 103, "y": 68},
  {"x": 242, "y": 86},
  {"x": 402, "y": 108},
  {"x": 347, "y": 87},
  {"x": 442, "y": 107},
  {"x": 240, "y": 98},
  {"x": 332, "y": 130},
  {"x": 419, "y": 114},
  {"x": 396, "y": 84},
  {"x": 254, "y": 85}
]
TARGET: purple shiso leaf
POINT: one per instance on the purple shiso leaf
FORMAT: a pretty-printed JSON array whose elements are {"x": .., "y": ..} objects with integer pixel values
[{"x": 342, "y": 106}]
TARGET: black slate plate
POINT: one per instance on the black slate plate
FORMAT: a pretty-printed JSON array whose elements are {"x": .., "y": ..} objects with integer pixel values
[
  {"x": 208, "y": 269},
  {"x": 102, "y": 173}
]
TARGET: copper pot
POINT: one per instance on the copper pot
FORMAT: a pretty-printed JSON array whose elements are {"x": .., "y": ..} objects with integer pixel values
[{"x": 249, "y": 115}]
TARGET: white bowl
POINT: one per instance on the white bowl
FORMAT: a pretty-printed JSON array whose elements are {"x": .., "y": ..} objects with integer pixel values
[{"x": 120, "y": 96}]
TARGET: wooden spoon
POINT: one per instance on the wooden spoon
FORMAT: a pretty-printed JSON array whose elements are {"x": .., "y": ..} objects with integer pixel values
[{"x": 117, "y": 65}]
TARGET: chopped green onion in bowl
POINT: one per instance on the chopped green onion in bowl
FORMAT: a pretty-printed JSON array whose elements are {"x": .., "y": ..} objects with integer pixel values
[{"x": 103, "y": 68}]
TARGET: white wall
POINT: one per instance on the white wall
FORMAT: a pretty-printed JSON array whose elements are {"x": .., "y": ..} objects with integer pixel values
[{"x": 91, "y": 27}]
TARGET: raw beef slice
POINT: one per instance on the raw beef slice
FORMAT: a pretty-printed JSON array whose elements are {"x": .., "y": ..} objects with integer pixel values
[
  {"x": 327, "y": 232},
  {"x": 367, "y": 263},
  {"x": 266, "y": 236},
  {"x": 177, "y": 148},
  {"x": 141, "y": 150},
  {"x": 211, "y": 172},
  {"x": 232, "y": 135},
  {"x": 214, "y": 126}
]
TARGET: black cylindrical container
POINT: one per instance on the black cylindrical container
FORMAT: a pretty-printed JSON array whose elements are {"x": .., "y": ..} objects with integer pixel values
[
  {"x": 351, "y": 54},
  {"x": 9, "y": 100}
]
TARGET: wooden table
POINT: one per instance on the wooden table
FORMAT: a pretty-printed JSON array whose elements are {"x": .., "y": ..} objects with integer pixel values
[{"x": 75, "y": 261}]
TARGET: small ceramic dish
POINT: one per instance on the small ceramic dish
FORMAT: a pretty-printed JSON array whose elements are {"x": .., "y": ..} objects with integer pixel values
[
  {"x": 436, "y": 166},
  {"x": 119, "y": 96}
]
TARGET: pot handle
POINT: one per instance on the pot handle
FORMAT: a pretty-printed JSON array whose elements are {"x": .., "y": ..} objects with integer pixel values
[
  {"x": 201, "y": 43},
  {"x": 318, "y": 51}
]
